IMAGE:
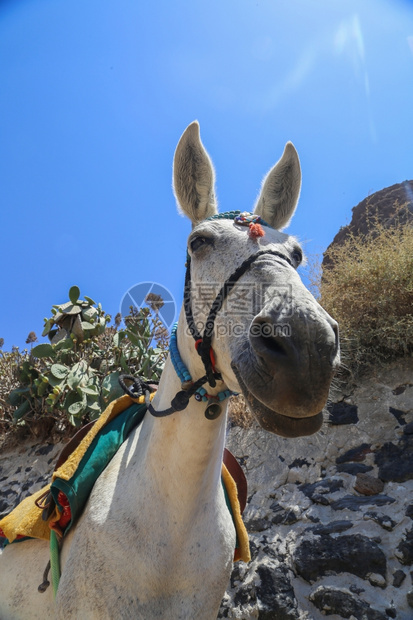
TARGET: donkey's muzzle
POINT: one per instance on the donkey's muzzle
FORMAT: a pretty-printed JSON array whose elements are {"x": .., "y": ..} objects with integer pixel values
[
  {"x": 295, "y": 359},
  {"x": 284, "y": 343}
]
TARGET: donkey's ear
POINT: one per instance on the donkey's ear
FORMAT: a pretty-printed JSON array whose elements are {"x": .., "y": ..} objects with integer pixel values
[
  {"x": 280, "y": 190},
  {"x": 194, "y": 177}
]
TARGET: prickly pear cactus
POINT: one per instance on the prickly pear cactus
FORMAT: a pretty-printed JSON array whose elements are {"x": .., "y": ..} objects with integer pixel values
[
  {"x": 76, "y": 319},
  {"x": 75, "y": 376}
]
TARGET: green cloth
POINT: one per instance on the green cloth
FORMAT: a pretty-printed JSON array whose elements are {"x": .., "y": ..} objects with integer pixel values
[{"x": 105, "y": 445}]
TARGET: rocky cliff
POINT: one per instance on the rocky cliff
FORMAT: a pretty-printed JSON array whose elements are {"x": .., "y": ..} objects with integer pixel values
[
  {"x": 330, "y": 517},
  {"x": 392, "y": 206}
]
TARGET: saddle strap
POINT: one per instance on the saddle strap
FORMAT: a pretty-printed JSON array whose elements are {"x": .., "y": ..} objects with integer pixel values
[{"x": 238, "y": 475}]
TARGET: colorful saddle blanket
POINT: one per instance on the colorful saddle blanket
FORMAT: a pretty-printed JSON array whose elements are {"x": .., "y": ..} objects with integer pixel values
[{"x": 58, "y": 505}]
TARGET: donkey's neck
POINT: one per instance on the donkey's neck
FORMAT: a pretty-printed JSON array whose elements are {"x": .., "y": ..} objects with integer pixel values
[{"x": 185, "y": 449}]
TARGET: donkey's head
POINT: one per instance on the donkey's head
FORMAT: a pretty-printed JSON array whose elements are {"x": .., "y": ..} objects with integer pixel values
[{"x": 272, "y": 341}]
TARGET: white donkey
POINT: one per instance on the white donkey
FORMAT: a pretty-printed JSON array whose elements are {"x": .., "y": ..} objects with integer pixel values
[{"x": 156, "y": 539}]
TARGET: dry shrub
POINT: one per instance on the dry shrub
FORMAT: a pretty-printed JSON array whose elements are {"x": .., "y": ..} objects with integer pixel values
[
  {"x": 368, "y": 289},
  {"x": 238, "y": 412}
]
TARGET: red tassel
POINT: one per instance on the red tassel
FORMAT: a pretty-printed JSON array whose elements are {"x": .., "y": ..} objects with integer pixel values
[
  {"x": 256, "y": 231},
  {"x": 66, "y": 512}
]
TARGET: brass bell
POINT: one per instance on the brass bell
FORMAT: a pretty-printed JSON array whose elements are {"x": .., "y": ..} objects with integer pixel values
[{"x": 213, "y": 411}]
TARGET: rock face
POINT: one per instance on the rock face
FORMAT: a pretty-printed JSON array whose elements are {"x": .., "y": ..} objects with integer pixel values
[
  {"x": 23, "y": 472},
  {"x": 385, "y": 205},
  {"x": 330, "y": 517}
]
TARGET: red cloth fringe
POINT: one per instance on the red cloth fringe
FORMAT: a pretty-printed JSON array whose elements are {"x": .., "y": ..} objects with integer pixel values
[
  {"x": 66, "y": 513},
  {"x": 256, "y": 231}
]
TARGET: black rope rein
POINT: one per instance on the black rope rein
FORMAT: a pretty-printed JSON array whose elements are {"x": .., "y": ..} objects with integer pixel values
[{"x": 204, "y": 341}]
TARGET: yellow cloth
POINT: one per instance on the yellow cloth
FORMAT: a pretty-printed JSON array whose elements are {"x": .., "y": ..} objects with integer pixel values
[
  {"x": 26, "y": 518},
  {"x": 242, "y": 552},
  {"x": 67, "y": 470}
]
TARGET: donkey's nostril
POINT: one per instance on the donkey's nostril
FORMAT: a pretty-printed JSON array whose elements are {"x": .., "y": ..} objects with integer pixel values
[
  {"x": 275, "y": 347},
  {"x": 273, "y": 344},
  {"x": 265, "y": 340}
]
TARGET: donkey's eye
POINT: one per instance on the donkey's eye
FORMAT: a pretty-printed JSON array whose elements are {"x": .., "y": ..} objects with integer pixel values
[
  {"x": 297, "y": 256},
  {"x": 198, "y": 242}
]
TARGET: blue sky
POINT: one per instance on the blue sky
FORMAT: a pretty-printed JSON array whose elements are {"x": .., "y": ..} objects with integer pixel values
[{"x": 94, "y": 95}]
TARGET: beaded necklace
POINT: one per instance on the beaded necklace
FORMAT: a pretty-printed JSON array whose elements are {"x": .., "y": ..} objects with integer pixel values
[{"x": 185, "y": 377}]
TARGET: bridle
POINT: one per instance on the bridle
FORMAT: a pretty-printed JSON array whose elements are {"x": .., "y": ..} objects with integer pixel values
[{"x": 203, "y": 343}]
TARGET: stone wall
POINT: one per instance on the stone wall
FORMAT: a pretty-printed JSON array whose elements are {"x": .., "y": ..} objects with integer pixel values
[
  {"x": 330, "y": 517},
  {"x": 25, "y": 470}
]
